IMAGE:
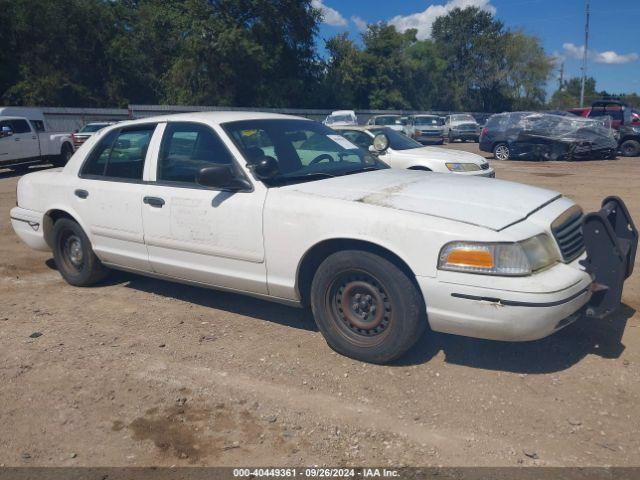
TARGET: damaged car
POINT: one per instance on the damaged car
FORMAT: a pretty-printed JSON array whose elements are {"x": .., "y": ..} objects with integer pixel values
[
  {"x": 286, "y": 209},
  {"x": 544, "y": 136}
]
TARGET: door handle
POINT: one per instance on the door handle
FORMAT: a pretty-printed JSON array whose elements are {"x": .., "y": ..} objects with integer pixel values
[
  {"x": 16, "y": 139},
  {"x": 156, "y": 202},
  {"x": 81, "y": 193}
]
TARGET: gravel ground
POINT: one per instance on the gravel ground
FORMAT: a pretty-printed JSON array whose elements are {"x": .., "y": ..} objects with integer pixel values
[{"x": 140, "y": 372}]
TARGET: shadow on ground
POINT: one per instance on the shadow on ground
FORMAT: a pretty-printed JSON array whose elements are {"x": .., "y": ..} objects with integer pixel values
[{"x": 551, "y": 354}]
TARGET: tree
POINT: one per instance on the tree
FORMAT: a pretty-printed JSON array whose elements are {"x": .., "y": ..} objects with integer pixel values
[{"x": 568, "y": 95}]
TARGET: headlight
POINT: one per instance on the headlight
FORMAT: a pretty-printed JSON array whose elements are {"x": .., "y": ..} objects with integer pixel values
[
  {"x": 463, "y": 167},
  {"x": 508, "y": 259}
]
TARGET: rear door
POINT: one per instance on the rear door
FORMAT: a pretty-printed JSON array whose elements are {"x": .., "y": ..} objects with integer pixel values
[
  {"x": 109, "y": 194},
  {"x": 198, "y": 233}
]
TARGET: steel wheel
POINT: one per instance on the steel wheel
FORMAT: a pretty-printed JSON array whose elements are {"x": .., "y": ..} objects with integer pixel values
[
  {"x": 360, "y": 307},
  {"x": 72, "y": 252}
]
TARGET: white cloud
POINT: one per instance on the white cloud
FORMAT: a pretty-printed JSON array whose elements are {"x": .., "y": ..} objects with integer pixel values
[
  {"x": 574, "y": 51},
  {"x": 609, "y": 57},
  {"x": 330, "y": 16},
  {"x": 359, "y": 22},
  {"x": 613, "y": 58},
  {"x": 423, "y": 21}
]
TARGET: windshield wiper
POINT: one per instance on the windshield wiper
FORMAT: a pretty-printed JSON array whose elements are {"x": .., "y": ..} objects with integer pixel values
[{"x": 363, "y": 169}]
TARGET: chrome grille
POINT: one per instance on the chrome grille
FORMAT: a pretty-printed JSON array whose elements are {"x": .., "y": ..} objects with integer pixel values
[{"x": 567, "y": 230}]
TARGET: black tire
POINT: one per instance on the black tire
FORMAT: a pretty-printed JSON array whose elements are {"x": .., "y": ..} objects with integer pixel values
[
  {"x": 630, "y": 148},
  {"x": 501, "y": 151},
  {"x": 66, "y": 152},
  {"x": 74, "y": 256},
  {"x": 383, "y": 315}
]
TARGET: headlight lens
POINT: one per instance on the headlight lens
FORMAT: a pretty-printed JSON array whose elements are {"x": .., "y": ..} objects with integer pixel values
[
  {"x": 463, "y": 167},
  {"x": 507, "y": 259}
]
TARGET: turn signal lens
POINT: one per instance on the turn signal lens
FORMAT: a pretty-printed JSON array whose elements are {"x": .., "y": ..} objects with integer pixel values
[{"x": 470, "y": 258}]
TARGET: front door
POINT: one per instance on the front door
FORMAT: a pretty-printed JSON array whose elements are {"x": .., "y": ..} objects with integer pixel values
[{"x": 196, "y": 233}]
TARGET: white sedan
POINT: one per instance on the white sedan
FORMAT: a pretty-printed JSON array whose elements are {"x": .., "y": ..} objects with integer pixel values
[
  {"x": 405, "y": 152},
  {"x": 286, "y": 209}
]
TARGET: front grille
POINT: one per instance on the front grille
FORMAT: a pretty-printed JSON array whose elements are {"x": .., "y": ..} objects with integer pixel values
[{"x": 567, "y": 229}]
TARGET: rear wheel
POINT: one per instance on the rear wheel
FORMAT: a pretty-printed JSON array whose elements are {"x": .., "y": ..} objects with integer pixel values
[
  {"x": 366, "y": 307},
  {"x": 74, "y": 256},
  {"x": 65, "y": 155},
  {"x": 630, "y": 148},
  {"x": 501, "y": 151}
]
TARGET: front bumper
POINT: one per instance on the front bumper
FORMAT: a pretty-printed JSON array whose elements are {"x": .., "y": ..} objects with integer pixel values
[
  {"x": 533, "y": 307},
  {"x": 464, "y": 134},
  {"x": 435, "y": 136}
]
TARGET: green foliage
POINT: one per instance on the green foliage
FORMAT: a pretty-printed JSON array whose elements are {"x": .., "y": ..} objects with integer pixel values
[{"x": 262, "y": 53}]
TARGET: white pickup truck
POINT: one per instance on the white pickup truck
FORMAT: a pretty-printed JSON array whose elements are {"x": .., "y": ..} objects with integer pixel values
[{"x": 24, "y": 141}]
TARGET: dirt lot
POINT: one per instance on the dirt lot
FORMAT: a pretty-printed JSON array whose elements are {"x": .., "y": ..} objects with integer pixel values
[{"x": 145, "y": 372}]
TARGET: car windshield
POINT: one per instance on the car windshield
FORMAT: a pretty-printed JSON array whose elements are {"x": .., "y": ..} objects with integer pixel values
[
  {"x": 340, "y": 118},
  {"x": 428, "y": 121},
  {"x": 387, "y": 120},
  {"x": 92, "y": 127},
  {"x": 463, "y": 118},
  {"x": 397, "y": 140},
  {"x": 304, "y": 150}
]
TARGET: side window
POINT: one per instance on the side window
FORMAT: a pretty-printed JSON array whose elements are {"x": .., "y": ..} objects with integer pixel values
[
  {"x": 20, "y": 126},
  {"x": 38, "y": 125},
  {"x": 186, "y": 149},
  {"x": 361, "y": 139},
  {"x": 120, "y": 154}
]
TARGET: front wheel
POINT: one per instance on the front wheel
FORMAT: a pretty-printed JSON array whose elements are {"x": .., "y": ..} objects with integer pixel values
[
  {"x": 74, "y": 256},
  {"x": 501, "y": 151},
  {"x": 366, "y": 307}
]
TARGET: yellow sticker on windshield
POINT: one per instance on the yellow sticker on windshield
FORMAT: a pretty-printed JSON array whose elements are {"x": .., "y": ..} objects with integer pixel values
[{"x": 248, "y": 133}]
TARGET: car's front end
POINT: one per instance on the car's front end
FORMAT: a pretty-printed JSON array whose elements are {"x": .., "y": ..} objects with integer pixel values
[
  {"x": 546, "y": 273},
  {"x": 464, "y": 132},
  {"x": 428, "y": 134}
]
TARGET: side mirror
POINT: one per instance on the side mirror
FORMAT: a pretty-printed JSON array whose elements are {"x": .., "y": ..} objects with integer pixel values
[
  {"x": 380, "y": 143},
  {"x": 222, "y": 177},
  {"x": 6, "y": 132},
  {"x": 265, "y": 168}
]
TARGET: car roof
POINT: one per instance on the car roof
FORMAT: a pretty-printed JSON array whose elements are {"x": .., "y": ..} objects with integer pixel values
[
  {"x": 343, "y": 112},
  {"x": 217, "y": 117}
]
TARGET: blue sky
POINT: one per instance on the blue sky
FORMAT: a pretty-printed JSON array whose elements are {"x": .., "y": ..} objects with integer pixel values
[{"x": 614, "y": 44}]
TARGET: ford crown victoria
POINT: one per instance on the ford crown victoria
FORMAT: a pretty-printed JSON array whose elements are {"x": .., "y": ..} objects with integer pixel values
[{"x": 285, "y": 208}]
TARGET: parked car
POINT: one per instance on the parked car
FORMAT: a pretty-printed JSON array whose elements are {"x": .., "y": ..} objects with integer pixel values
[
  {"x": 342, "y": 117},
  {"x": 543, "y": 136},
  {"x": 404, "y": 152},
  {"x": 286, "y": 209},
  {"x": 619, "y": 111},
  {"x": 425, "y": 128},
  {"x": 24, "y": 140},
  {"x": 461, "y": 126},
  {"x": 394, "y": 122},
  {"x": 629, "y": 140},
  {"x": 80, "y": 136}
]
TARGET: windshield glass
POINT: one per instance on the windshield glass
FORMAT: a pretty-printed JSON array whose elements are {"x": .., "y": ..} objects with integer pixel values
[
  {"x": 387, "y": 120},
  {"x": 304, "y": 150},
  {"x": 463, "y": 118},
  {"x": 340, "y": 118},
  {"x": 436, "y": 121},
  {"x": 397, "y": 140},
  {"x": 92, "y": 127}
]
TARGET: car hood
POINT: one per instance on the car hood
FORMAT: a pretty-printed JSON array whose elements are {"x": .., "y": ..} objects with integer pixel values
[
  {"x": 489, "y": 203},
  {"x": 443, "y": 154}
]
